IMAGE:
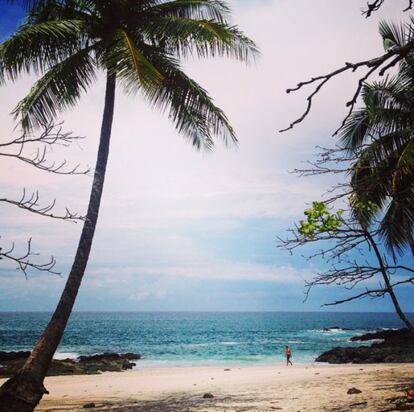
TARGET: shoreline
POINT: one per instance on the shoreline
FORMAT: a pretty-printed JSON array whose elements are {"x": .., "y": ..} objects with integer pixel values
[{"x": 249, "y": 388}]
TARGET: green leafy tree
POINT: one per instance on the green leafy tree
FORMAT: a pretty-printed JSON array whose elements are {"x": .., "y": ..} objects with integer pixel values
[
  {"x": 137, "y": 44},
  {"x": 354, "y": 252},
  {"x": 319, "y": 219},
  {"x": 380, "y": 134}
]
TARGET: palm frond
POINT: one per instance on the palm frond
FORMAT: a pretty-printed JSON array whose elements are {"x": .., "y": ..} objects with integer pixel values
[
  {"x": 50, "y": 10},
  {"x": 130, "y": 65},
  {"x": 397, "y": 236},
  {"x": 388, "y": 108},
  {"x": 392, "y": 34},
  {"x": 405, "y": 163},
  {"x": 355, "y": 130},
  {"x": 189, "y": 106},
  {"x": 57, "y": 90},
  {"x": 195, "y": 9},
  {"x": 39, "y": 47},
  {"x": 205, "y": 38}
]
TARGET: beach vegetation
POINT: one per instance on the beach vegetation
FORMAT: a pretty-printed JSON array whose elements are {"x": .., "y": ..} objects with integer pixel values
[
  {"x": 375, "y": 155},
  {"x": 380, "y": 133},
  {"x": 355, "y": 255}
]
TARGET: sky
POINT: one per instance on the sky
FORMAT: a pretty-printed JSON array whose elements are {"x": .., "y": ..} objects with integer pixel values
[{"x": 186, "y": 230}]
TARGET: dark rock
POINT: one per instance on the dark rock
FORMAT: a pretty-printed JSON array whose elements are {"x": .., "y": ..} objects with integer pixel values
[
  {"x": 208, "y": 395},
  {"x": 84, "y": 365},
  {"x": 353, "y": 391},
  {"x": 98, "y": 357},
  {"x": 396, "y": 347},
  {"x": 334, "y": 327},
  {"x": 108, "y": 362},
  {"x": 388, "y": 335},
  {"x": 88, "y": 405},
  {"x": 11, "y": 356},
  {"x": 131, "y": 356},
  {"x": 227, "y": 370},
  {"x": 109, "y": 356}
]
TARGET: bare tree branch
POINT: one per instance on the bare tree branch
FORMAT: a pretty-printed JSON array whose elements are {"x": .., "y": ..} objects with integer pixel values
[
  {"x": 25, "y": 261},
  {"x": 371, "y": 7},
  {"x": 376, "y": 4},
  {"x": 370, "y": 293},
  {"x": 30, "y": 203},
  {"x": 51, "y": 135},
  {"x": 382, "y": 63}
]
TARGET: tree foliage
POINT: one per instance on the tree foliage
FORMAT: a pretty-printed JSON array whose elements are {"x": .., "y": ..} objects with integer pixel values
[
  {"x": 354, "y": 254},
  {"x": 381, "y": 135},
  {"x": 318, "y": 220}
]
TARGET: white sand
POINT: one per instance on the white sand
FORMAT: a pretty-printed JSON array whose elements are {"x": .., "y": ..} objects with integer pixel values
[{"x": 256, "y": 388}]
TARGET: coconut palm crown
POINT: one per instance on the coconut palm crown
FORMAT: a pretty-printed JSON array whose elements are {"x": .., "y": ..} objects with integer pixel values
[
  {"x": 138, "y": 41},
  {"x": 381, "y": 134}
]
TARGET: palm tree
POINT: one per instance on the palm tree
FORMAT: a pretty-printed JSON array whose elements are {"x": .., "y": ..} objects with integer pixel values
[
  {"x": 381, "y": 136},
  {"x": 137, "y": 43}
]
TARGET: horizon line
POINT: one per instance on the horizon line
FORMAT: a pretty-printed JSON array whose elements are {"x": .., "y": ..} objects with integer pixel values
[{"x": 200, "y": 311}]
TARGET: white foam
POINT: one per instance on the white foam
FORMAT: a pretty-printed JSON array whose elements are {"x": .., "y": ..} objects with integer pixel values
[
  {"x": 65, "y": 355},
  {"x": 195, "y": 345}
]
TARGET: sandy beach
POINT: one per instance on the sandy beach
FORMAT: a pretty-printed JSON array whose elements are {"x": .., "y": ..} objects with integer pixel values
[{"x": 253, "y": 388}]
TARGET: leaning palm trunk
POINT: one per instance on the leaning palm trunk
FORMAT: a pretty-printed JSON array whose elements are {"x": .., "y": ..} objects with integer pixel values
[{"x": 24, "y": 391}]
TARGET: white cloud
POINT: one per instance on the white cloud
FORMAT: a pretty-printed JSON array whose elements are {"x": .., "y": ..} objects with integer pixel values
[{"x": 214, "y": 269}]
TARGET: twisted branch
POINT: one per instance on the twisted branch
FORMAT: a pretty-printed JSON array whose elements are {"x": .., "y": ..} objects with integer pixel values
[
  {"x": 374, "y": 293},
  {"x": 376, "y": 4},
  {"x": 24, "y": 262},
  {"x": 30, "y": 203},
  {"x": 51, "y": 135},
  {"x": 382, "y": 63}
]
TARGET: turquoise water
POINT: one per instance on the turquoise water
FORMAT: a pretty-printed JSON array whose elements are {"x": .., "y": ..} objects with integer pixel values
[{"x": 201, "y": 338}]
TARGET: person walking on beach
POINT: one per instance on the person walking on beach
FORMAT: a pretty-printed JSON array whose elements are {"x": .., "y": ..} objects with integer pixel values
[{"x": 288, "y": 353}]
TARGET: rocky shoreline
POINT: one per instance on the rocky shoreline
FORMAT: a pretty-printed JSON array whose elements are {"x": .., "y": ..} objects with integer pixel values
[
  {"x": 394, "y": 346},
  {"x": 390, "y": 346},
  {"x": 10, "y": 362}
]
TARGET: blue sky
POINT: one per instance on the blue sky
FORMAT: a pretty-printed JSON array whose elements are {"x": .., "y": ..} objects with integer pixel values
[{"x": 182, "y": 230}]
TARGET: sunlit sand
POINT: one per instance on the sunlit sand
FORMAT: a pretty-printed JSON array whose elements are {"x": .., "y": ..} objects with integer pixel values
[{"x": 256, "y": 388}]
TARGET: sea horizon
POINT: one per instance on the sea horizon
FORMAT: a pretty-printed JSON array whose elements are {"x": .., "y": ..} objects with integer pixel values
[{"x": 205, "y": 311}]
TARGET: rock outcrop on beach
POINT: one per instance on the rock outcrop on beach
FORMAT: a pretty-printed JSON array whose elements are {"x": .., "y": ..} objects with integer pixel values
[
  {"x": 10, "y": 362},
  {"x": 334, "y": 328},
  {"x": 396, "y": 346},
  {"x": 388, "y": 336}
]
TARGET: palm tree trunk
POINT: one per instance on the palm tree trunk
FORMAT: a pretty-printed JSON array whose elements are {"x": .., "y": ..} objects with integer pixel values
[
  {"x": 389, "y": 288},
  {"x": 24, "y": 391}
]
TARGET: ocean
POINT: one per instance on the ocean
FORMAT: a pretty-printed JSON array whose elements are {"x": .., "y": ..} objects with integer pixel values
[{"x": 197, "y": 338}]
